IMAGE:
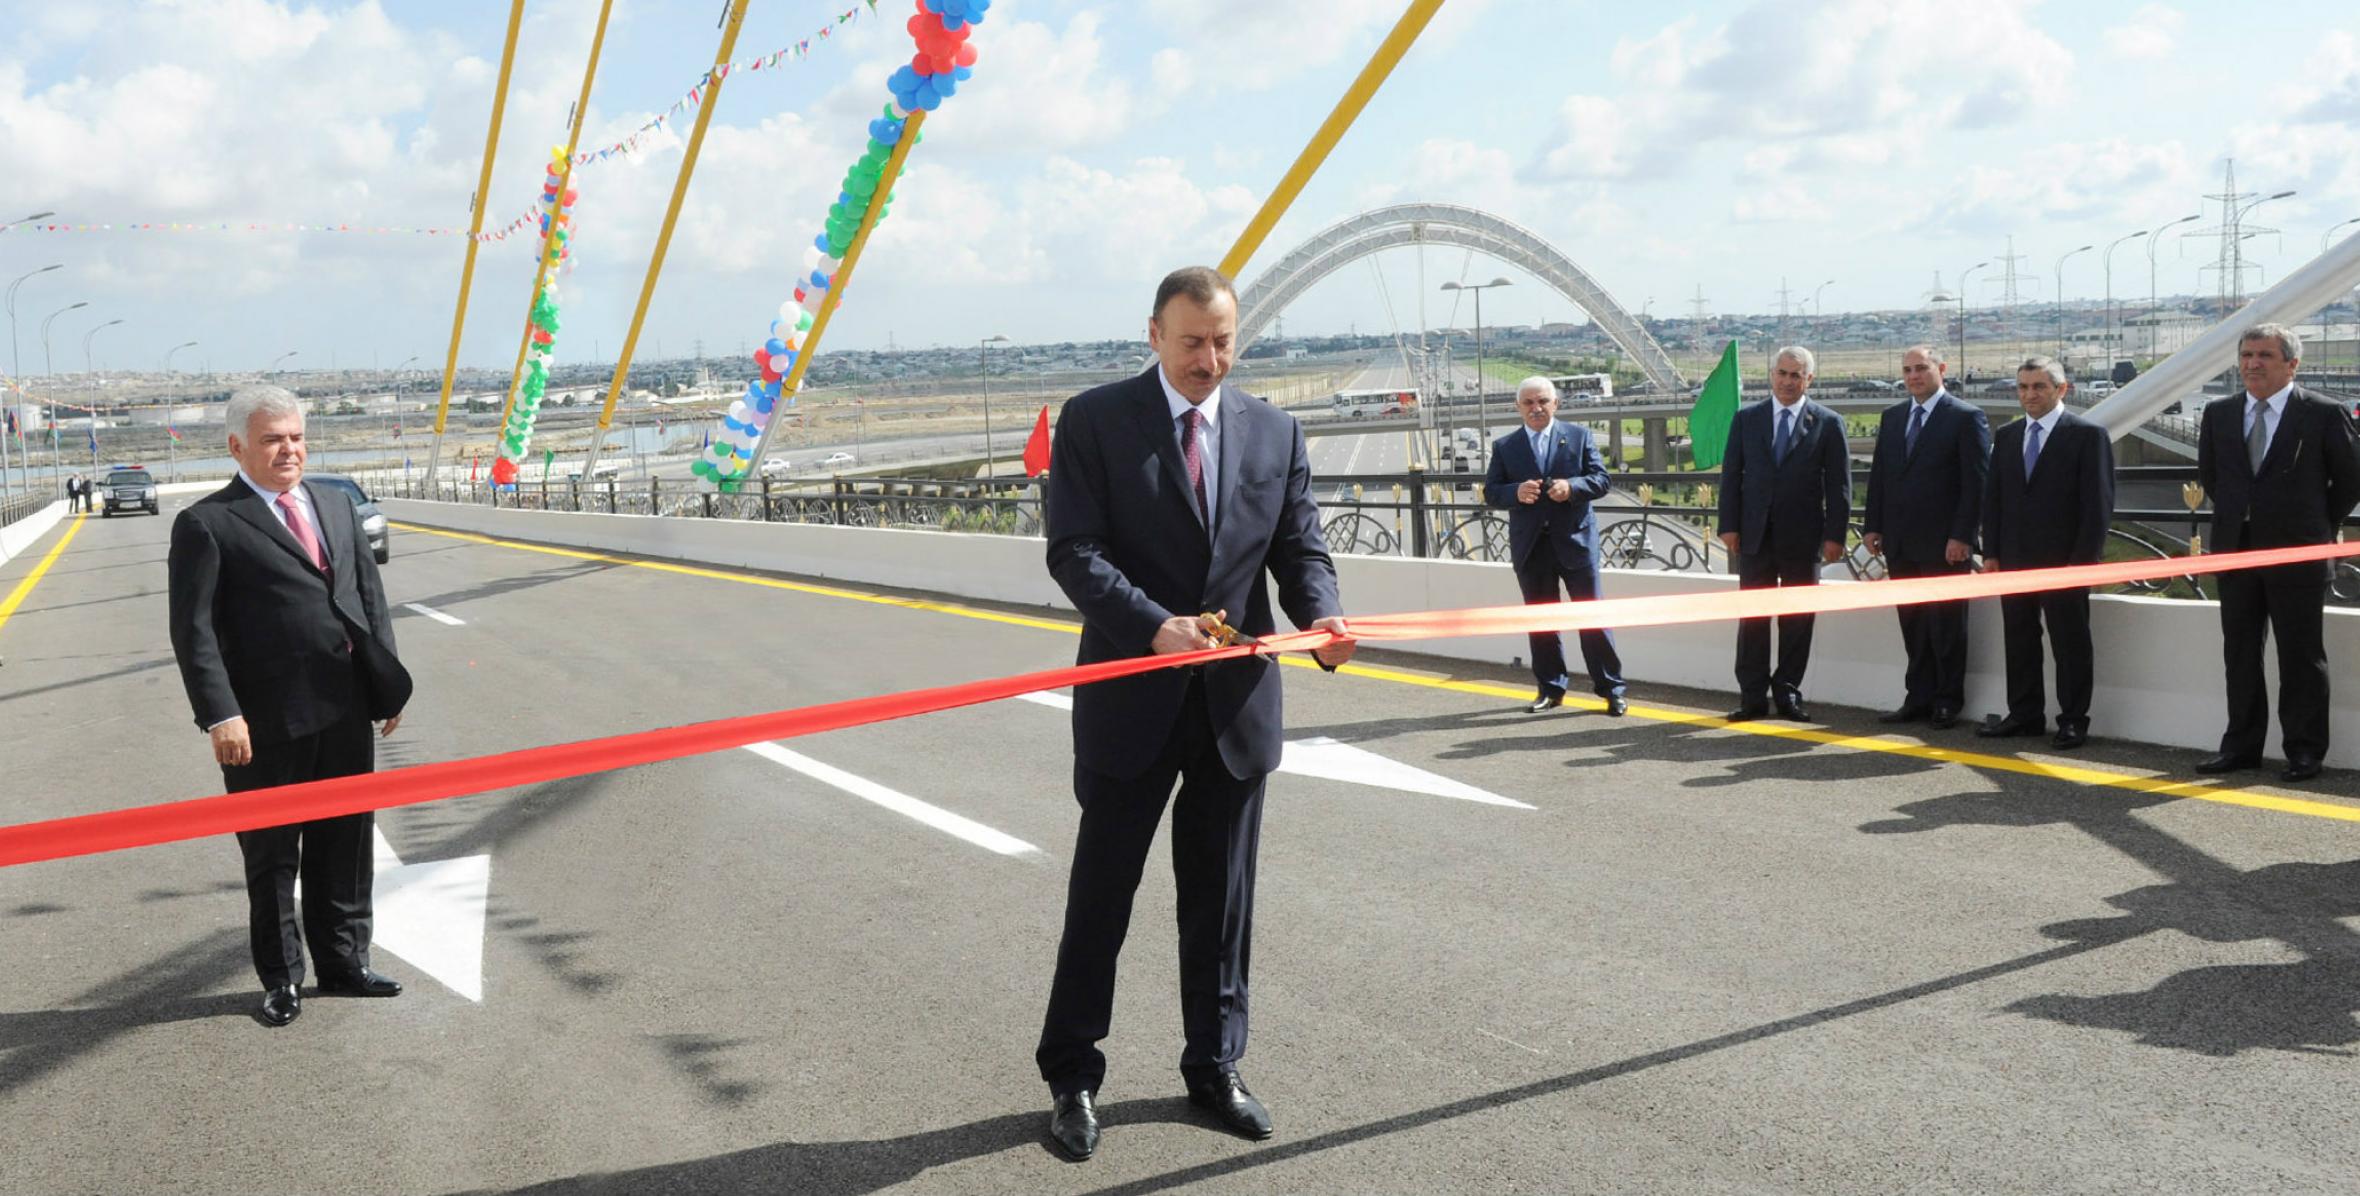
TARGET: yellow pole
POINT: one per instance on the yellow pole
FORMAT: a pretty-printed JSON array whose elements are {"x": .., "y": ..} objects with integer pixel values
[
  {"x": 483, "y": 194},
  {"x": 655, "y": 264},
  {"x": 1372, "y": 76},
  {"x": 565, "y": 179},
  {"x": 793, "y": 382}
]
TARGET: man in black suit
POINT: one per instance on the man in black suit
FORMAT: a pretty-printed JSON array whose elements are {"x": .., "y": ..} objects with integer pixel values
[
  {"x": 2047, "y": 502},
  {"x": 1786, "y": 502},
  {"x": 1925, "y": 494},
  {"x": 285, "y": 645},
  {"x": 2280, "y": 465},
  {"x": 1173, "y": 494},
  {"x": 1545, "y": 475}
]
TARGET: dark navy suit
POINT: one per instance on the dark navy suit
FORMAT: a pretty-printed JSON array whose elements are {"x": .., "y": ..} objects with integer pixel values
[
  {"x": 1130, "y": 549},
  {"x": 1552, "y": 542},
  {"x": 2307, "y": 485},
  {"x": 2056, "y": 515},
  {"x": 1782, "y": 509},
  {"x": 1921, "y": 497}
]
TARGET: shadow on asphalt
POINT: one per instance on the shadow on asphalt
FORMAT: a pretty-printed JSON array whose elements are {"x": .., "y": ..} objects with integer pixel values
[
  {"x": 852, "y": 1168},
  {"x": 33, "y": 1044},
  {"x": 2307, "y": 1005},
  {"x": 160, "y": 662}
]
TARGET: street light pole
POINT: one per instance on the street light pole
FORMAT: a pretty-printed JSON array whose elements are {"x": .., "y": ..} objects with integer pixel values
[
  {"x": 2112, "y": 315},
  {"x": 985, "y": 348},
  {"x": 1482, "y": 412},
  {"x": 92, "y": 374},
  {"x": 2060, "y": 312},
  {"x": 274, "y": 364},
  {"x": 1816, "y": 310},
  {"x": 2154, "y": 301},
  {"x": 1962, "y": 316},
  {"x": 49, "y": 392},
  {"x": 171, "y": 412}
]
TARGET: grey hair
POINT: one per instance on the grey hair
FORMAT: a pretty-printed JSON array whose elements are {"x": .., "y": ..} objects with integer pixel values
[
  {"x": 2288, "y": 343},
  {"x": 2048, "y": 365},
  {"x": 1933, "y": 353},
  {"x": 252, "y": 400},
  {"x": 1800, "y": 354},
  {"x": 1536, "y": 382}
]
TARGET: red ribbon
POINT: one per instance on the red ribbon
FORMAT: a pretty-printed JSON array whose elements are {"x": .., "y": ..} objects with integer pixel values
[{"x": 144, "y": 826}]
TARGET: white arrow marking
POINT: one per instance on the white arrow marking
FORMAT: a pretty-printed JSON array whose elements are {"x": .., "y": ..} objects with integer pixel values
[
  {"x": 898, "y": 802},
  {"x": 436, "y": 615},
  {"x": 1330, "y": 760},
  {"x": 432, "y": 915}
]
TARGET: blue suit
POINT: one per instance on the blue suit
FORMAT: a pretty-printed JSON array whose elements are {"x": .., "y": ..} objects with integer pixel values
[
  {"x": 1554, "y": 542},
  {"x": 1782, "y": 507},
  {"x": 1130, "y": 548},
  {"x": 1920, "y": 498}
]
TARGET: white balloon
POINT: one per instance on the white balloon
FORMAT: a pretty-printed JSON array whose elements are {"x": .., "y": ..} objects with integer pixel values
[
  {"x": 789, "y": 312},
  {"x": 811, "y": 256}
]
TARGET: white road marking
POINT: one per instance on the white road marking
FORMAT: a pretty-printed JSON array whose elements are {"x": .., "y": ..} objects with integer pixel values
[
  {"x": 432, "y": 915},
  {"x": 1330, "y": 760},
  {"x": 900, "y": 803},
  {"x": 436, "y": 615}
]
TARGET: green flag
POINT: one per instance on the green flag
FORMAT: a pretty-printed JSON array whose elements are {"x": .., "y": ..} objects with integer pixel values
[
  {"x": 549, "y": 455},
  {"x": 1716, "y": 405}
]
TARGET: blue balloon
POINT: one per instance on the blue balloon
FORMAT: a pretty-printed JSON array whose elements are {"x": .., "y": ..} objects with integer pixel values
[
  {"x": 954, "y": 24},
  {"x": 962, "y": 73},
  {"x": 775, "y": 346},
  {"x": 763, "y": 405},
  {"x": 934, "y": 6},
  {"x": 770, "y": 389},
  {"x": 819, "y": 281},
  {"x": 945, "y": 85}
]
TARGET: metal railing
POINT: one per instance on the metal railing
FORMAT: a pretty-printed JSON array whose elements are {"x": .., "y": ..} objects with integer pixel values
[
  {"x": 22, "y": 504},
  {"x": 1658, "y": 521}
]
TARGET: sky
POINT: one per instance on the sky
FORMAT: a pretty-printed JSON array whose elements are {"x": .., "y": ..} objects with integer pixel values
[{"x": 1670, "y": 150}]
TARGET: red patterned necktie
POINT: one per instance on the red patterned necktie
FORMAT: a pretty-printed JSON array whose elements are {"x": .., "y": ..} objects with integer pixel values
[
  {"x": 301, "y": 528},
  {"x": 1195, "y": 461}
]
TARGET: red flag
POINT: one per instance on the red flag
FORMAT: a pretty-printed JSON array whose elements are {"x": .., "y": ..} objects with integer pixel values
[
  {"x": 478, "y": 465},
  {"x": 1036, "y": 446}
]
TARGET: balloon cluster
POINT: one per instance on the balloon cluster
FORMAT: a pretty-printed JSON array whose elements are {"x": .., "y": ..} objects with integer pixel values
[
  {"x": 557, "y": 219},
  {"x": 944, "y": 60}
]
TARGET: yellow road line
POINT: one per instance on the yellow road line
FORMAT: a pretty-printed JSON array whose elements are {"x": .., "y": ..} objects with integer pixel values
[
  {"x": 24, "y": 589},
  {"x": 2069, "y": 773}
]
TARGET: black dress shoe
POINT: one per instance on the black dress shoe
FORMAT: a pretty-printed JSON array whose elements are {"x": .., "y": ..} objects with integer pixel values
[
  {"x": 1235, "y": 1107},
  {"x": 1943, "y": 718},
  {"x": 280, "y": 1005},
  {"x": 1791, "y": 708},
  {"x": 363, "y": 983},
  {"x": 1748, "y": 713},
  {"x": 2226, "y": 762},
  {"x": 2010, "y": 727},
  {"x": 1909, "y": 712},
  {"x": 1616, "y": 707},
  {"x": 1073, "y": 1125},
  {"x": 2300, "y": 768},
  {"x": 2070, "y": 736},
  {"x": 1545, "y": 702}
]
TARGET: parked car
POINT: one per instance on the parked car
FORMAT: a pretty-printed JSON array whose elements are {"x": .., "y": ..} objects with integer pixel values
[
  {"x": 774, "y": 466},
  {"x": 2097, "y": 388},
  {"x": 129, "y": 488},
  {"x": 373, "y": 524},
  {"x": 837, "y": 459}
]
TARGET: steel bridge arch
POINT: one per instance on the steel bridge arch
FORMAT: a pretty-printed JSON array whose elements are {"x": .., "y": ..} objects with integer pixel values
[{"x": 1350, "y": 240}]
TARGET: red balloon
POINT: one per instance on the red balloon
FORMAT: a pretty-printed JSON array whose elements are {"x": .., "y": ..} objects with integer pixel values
[
  {"x": 917, "y": 24},
  {"x": 762, "y": 358},
  {"x": 571, "y": 196},
  {"x": 965, "y": 56},
  {"x": 922, "y": 64},
  {"x": 798, "y": 294},
  {"x": 942, "y": 63},
  {"x": 769, "y": 374}
]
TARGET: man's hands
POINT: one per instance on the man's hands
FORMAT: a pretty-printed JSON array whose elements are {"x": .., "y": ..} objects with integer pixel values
[
  {"x": 385, "y": 729},
  {"x": 1957, "y": 552},
  {"x": 1830, "y": 551},
  {"x": 1874, "y": 542},
  {"x": 1531, "y": 491},
  {"x": 1729, "y": 541},
  {"x": 231, "y": 744},
  {"x": 1187, "y": 633},
  {"x": 1338, "y": 652}
]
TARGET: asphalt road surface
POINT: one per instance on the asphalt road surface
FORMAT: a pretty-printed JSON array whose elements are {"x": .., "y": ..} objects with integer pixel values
[{"x": 1496, "y": 952}]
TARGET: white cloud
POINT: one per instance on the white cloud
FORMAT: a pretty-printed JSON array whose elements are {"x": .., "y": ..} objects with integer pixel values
[
  {"x": 2151, "y": 33},
  {"x": 1836, "y": 84},
  {"x": 1260, "y": 44}
]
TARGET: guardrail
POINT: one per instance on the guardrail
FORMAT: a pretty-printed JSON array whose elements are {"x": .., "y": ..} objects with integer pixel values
[
  {"x": 1656, "y": 521},
  {"x": 18, "y": 506}
]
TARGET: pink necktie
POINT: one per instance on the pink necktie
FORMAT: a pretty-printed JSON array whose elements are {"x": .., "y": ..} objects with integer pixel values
[
  {"x": 1194, "y": 460},
  {"x": 301, "y": 528}
]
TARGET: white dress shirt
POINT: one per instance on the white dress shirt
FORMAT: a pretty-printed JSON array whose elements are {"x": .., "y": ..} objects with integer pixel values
[
  {"x": 270, "y": 498},
  {"x": 2047, "y": 425},
  {"x": 1208, "y": 437},
  {"x": 2277, "y": 405}
]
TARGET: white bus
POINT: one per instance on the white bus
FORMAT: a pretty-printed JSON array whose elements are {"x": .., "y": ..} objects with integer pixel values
[
  {"x": 1584, "y": 388},
  {"x": 1372, "y": 404}
]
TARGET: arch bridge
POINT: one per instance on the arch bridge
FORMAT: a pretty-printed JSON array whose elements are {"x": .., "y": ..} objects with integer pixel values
[{"x": 1384, "y": 228}]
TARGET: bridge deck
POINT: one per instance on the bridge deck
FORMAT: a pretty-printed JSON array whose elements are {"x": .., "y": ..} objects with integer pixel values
[{"x": 1705, "y": 959}]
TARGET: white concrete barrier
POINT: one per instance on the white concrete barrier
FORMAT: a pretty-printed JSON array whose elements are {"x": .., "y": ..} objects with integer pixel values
[
  {"x": 2159, "y": 660},
  {"x": 20, "y": 535}
]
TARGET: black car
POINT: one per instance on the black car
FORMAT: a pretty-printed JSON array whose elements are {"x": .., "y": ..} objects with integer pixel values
[
  {"x": 132, "y": 489},
  {"x": 373, "y": 524}
]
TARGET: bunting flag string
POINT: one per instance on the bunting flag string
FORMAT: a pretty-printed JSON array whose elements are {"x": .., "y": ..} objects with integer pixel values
[{"x": 528, "y": 220}]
